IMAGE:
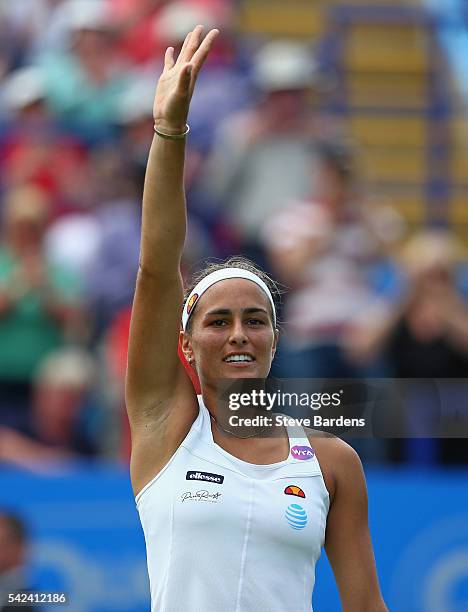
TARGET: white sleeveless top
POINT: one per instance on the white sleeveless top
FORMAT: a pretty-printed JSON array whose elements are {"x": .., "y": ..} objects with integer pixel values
[{"x": 224, "y": 535}]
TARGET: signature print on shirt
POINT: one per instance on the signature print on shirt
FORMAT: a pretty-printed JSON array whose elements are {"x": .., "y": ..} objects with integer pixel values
[{"x": 200, "y": 496}]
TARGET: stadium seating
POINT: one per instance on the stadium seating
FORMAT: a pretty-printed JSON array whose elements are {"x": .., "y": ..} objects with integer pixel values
[{"x": 393, "y": 88}]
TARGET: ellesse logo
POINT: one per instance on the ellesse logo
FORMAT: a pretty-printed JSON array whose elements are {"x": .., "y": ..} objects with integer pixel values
[
  {"x": 294, "y": 490},
  {"x": 205, "y": 476},
  {"x": 191, "y": 303}
]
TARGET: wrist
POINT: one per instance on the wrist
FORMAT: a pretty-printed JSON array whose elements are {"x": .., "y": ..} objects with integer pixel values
[
  {"x": 170, "y": 129},
  {"x": 180, "y": 135}
]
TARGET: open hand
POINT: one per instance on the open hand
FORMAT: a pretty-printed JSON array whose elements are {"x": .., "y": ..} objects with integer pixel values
[{"x": 176, "y": 84}]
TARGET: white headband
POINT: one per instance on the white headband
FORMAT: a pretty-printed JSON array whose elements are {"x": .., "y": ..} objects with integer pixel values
[{"x": 215, "y": 277}]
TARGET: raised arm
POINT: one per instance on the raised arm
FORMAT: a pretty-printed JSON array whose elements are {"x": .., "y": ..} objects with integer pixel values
[{"x": 154, "y": 375}]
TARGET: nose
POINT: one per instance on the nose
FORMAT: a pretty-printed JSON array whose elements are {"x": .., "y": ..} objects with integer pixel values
[{"x": 238, "y": 335}]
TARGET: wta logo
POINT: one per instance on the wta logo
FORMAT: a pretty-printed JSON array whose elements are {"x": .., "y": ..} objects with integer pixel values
[{"x": 303, "y": 453}]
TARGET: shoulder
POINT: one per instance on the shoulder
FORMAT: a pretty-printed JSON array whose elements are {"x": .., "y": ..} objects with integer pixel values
[
  {"x": 333, "y": 447},
  {"x": 338, "y": 460}
]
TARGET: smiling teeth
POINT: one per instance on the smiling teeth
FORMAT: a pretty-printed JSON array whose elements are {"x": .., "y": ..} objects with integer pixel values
[{"x": 239, "y": 358}]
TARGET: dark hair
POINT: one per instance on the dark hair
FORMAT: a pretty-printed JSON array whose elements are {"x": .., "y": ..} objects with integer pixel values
[
  {"x": 15, "y": 525},
  {"x": 233, "y": 262}
]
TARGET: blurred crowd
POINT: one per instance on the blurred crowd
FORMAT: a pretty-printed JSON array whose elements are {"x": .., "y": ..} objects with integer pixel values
[{"x": 270, "y": 174}]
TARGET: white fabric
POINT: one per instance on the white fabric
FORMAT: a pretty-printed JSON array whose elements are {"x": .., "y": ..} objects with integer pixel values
[
  {"x": 216, "y": 277},
  {"x": 234, "y": 549}
]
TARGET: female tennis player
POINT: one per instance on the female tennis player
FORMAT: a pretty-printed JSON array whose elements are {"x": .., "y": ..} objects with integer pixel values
[{"x": 232, "y": 522}]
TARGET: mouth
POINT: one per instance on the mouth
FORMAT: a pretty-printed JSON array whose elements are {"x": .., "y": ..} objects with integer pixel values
[{"x": 239, "y": 360}]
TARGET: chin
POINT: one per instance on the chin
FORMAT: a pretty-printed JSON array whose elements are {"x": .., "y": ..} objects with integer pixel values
[{"x": 241, "y": 374}]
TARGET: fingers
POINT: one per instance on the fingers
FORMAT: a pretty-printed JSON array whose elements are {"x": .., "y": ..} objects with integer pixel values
[
  {"x": 184, "y": 47},
  {"x": 169, "y": 58},
  {"x": 191, "y": 44},
  {"x": 194, "y": 50},
  {"x": 203, "y": 50}
]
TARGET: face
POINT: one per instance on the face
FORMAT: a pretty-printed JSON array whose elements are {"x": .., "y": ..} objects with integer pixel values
[
  {"x": 55, "y": 410},
  {"x": 287, "y": 103},
  {"x": 433, "y": 280},
  {"x": 232, "y": 319}
]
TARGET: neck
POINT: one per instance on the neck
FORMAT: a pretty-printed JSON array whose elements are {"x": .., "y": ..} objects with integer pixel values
[
  {"x": 209, "y": 395},
  {"x": 254, "y": 431},
  {"x": 220, "y": 417}
]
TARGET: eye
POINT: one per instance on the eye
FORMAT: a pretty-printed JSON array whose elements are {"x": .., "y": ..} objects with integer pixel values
[
  {"x": 218, "y": 322},
  {"x": 255, "y": 322}
]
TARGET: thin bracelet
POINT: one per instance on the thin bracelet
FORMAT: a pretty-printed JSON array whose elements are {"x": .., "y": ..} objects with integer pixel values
[{"x": 173, "y": 136}]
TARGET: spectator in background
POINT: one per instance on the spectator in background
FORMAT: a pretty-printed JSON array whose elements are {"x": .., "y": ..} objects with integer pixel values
[
  {"x": 324, "y": 248},
  {"x": 83, "y": 84},
  {"x": 66, "y": 417},
  {"x": 101, "y": 243},
  {"x": 425, "y": 334},
  {"x": 261, "y": 157},
  {"x": 117, "y": 212},
  {"x": 13, "y": 552},
  {"x": 34, "y": 150},
  {"x": 38, "y": 301}
]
